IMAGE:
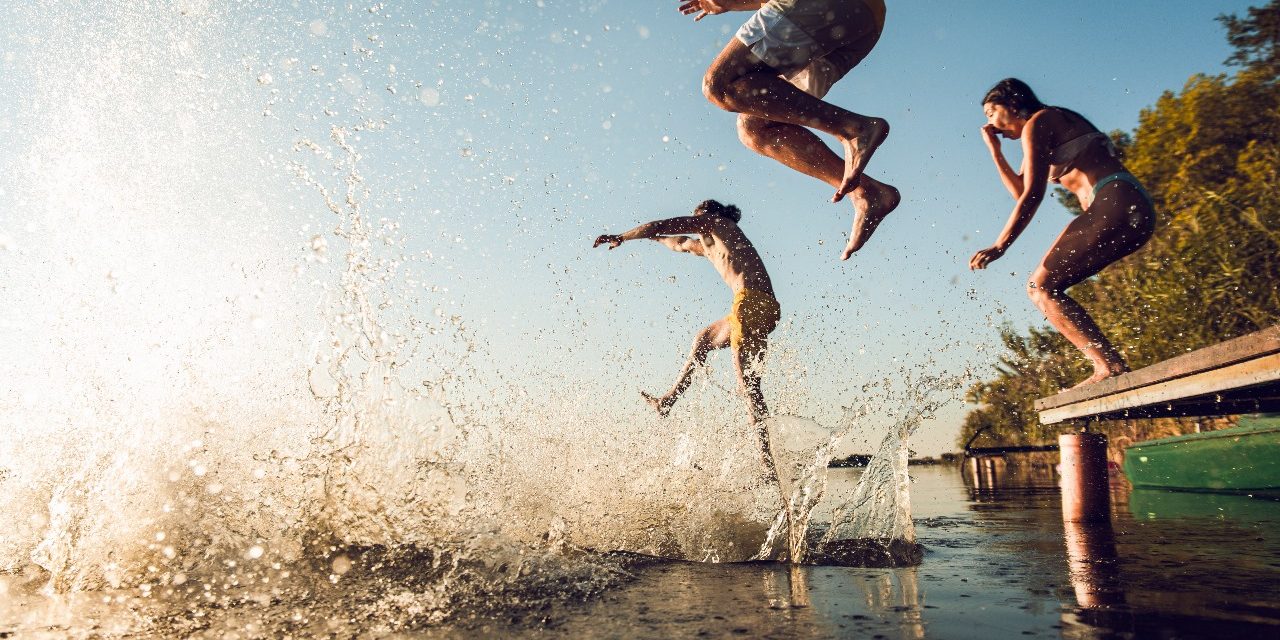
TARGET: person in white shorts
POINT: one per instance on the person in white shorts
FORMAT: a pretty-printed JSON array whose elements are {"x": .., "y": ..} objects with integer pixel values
[{"x": 775, "y": 72}]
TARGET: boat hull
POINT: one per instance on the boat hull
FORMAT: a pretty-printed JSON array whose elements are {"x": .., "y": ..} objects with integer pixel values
[{"x": 1243, "y": 459}]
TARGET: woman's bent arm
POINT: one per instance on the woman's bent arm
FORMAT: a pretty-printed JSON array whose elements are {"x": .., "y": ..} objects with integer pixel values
[{"x": 1011, "y": 179}]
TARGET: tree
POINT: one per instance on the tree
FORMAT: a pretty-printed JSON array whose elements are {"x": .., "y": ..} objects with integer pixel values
[{"x": 1256, "y": 38}]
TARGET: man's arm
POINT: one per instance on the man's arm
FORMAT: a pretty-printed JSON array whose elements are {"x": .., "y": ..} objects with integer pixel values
[
  {"x": 685, "y": 225},
  {"x": 706, "y": 8}
]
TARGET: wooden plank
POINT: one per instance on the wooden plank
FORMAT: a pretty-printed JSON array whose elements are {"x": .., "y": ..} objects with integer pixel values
[
  {"x": 1260, "y": 399},
  {"x": 1205, "y": 384},
  {"x": 1254, "y": 345}
]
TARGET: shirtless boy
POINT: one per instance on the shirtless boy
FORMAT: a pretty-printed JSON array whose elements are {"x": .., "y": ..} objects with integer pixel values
[
  {"x": 713, "y": 233},
  {"x": 775, "y": 72}
]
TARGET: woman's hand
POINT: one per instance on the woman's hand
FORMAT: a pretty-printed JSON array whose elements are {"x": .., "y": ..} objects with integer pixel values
[
  {"x": 611, "y": 240},
  {"x": 981, "y": 259},
  {"x": 991, "y": 135}
]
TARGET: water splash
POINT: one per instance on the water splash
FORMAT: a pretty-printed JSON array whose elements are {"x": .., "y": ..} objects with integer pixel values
[
  {"x": 872, "y": 527},
  {"x": 243, "y": 391},
  {"x": 876, "y": 520}
]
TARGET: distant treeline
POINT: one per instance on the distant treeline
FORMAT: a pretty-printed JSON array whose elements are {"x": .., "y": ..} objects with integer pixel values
[
  {"x": 863, "y": 459},
  {"x": 1209, "y": 155}
]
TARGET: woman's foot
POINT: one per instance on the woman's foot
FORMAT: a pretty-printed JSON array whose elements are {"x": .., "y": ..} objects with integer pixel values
[
  {"x": 870, "y": 206},
  {"x": 661, "y": 404},
  {"x": 857, "y": 153},
  {"x": 1103, "y": 373}
]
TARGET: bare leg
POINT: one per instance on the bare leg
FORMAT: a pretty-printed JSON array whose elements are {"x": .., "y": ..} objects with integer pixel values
[
  {"x": 713, "y": 336},
  {"x": 800, "y": 149},
  {"x": 1104, "y": 234},
  {"x": 746, "y": 359},
  {"x": 737, "y": 81}
]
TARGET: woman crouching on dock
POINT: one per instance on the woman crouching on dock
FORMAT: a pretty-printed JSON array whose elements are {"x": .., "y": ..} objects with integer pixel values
[{"x": 1061, "y": 145}]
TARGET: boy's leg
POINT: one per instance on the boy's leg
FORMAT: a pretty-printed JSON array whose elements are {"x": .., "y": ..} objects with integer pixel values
[
  {"x": 809, "y": 45},
  {"x": 738, "y": 81},
  {"x": 713, "y": 336},
  {"x": 748, "y": 358},
  {"x": 801, "y": 150}
]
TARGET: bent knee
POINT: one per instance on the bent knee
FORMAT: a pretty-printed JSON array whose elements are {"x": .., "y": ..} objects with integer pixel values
[
  {"x": 709, "y": 338},
  {"x": 754, "y": 132},
  {"x": 716, "y": 88},
  {"x": 1040, "y": 291}
]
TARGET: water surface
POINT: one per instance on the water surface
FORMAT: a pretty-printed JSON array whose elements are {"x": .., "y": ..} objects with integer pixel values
[{"x": 999, "y": 563}]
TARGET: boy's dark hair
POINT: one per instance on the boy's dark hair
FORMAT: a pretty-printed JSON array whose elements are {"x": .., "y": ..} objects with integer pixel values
[{"x": 714, "y": 208}]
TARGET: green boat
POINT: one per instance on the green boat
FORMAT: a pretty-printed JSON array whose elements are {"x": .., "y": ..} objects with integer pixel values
[{"x": 1244, "y": 459}]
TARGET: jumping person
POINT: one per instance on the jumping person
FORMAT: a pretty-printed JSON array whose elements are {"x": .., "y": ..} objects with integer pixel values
[
  {"x": 1062, "y": 146},
  {"x": 713, "y": 233},
  {"x": 774, "y": 74}
]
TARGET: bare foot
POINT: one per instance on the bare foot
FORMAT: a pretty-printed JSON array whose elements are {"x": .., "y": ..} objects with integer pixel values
[
  {"x": 857, "y": 153},
  {"x": 661, "y": 405},
  {"x": 868, "y": 211},
  {"x": 1102, "y": 374}
]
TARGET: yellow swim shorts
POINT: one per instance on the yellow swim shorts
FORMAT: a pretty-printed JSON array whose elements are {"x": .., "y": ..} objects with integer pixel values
[{"x": 754, "y": 316}]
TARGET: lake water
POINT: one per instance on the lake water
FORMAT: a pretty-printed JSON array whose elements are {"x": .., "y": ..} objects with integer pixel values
[{"x": 999, "y": 563}]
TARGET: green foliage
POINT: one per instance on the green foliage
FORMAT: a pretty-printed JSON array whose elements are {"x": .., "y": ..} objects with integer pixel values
[
  {"x": 1209, "y": 156},
  {"x": 1256, "y": 38}
]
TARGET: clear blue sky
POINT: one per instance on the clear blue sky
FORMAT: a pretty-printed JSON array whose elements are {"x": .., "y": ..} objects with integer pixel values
[{"x": 518, "y": 131}]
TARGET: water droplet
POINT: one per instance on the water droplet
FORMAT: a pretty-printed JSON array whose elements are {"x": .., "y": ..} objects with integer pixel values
[
  {"x": 341, "y": 565},
  {"x": 351, "y": 83}
]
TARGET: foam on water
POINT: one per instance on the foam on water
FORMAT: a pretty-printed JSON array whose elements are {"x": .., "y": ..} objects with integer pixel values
[{"x": 238, "y": 386}]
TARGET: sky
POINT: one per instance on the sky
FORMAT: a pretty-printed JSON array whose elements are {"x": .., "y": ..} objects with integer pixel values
[{"x": 512, "y": 133}]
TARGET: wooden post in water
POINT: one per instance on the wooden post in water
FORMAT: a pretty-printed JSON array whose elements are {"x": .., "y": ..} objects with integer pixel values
[{"x": 1086, "y": 495}]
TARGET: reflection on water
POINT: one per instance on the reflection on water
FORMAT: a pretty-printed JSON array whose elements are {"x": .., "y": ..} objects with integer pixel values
[
  {"x": 1000, "y": 563},
  {"x": 992, "y": 475},
  {"x": 1157, "y": 504},
  {"x": 1092, "y": 564}
]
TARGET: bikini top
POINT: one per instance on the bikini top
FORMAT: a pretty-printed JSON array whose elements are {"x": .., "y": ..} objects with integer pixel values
[{"x": 1063, "y": 158}]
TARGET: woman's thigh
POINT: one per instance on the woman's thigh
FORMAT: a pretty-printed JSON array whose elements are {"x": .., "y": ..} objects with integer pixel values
[{"x": 1112, "y": 228}]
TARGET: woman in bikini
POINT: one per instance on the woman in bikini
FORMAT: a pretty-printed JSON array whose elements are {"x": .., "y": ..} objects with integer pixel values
[{"x": 1061, "y": 145}]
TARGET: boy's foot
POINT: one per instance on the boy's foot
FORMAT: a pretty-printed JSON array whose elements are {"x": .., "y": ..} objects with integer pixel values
[
  {"x": 661, "y": 405},
  {"x": 857, "y": 153},
  {"x": 869, "y": 210}
]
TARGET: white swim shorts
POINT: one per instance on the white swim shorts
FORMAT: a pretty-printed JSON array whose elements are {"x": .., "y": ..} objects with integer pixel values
[{"x": 813, "y": 43}]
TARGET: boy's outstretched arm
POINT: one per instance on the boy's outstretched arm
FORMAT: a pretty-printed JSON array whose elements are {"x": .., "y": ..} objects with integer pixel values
[{"x": 668, "y": 227}]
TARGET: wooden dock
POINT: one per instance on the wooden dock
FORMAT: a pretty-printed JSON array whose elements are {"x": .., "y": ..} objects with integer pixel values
[{"x": 1233, "y": 377}]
